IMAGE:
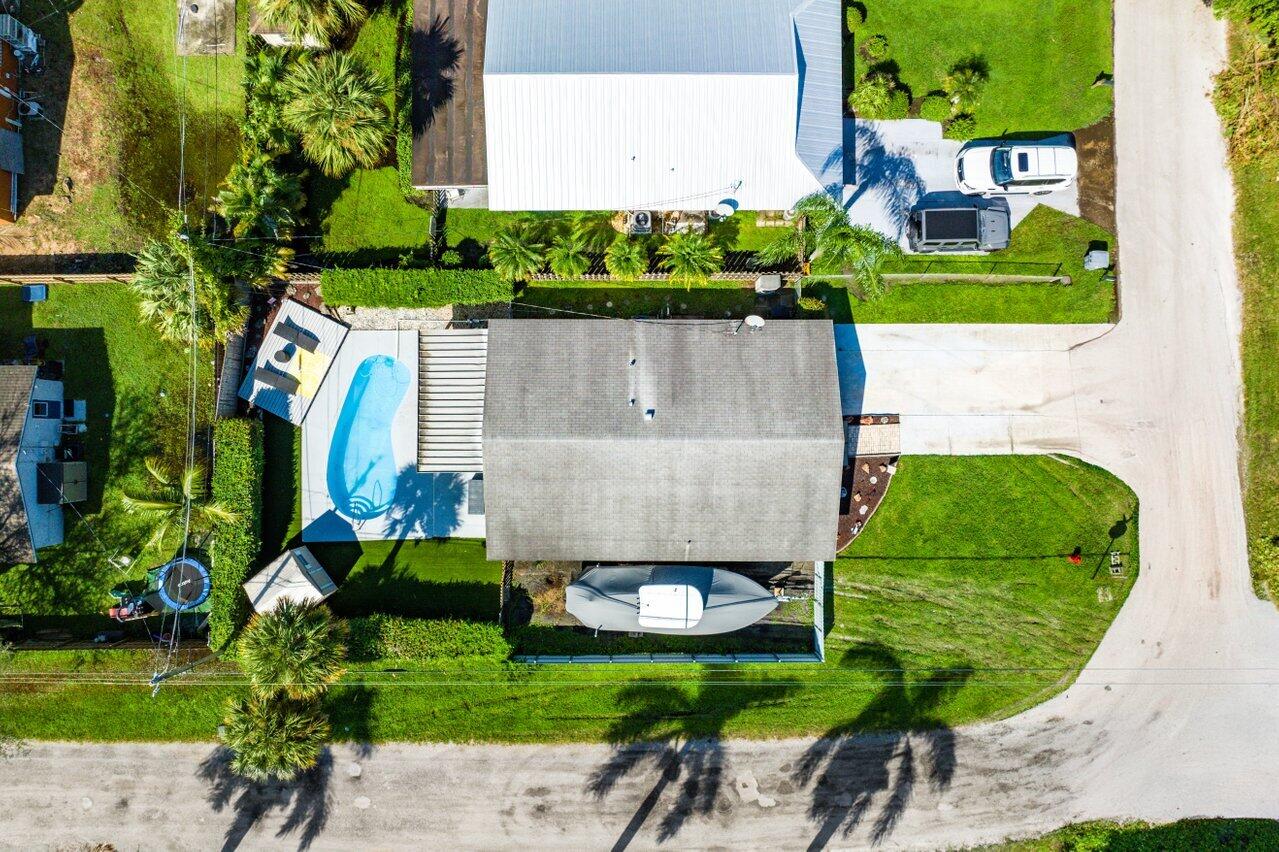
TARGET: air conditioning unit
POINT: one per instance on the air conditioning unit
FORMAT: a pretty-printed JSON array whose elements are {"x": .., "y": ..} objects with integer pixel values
[{"x": 639, "y": 222}]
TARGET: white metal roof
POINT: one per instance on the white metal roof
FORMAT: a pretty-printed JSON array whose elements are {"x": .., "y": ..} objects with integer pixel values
[
  {"x": 661, "y": 104},
  {"x": 294, "y": 575},
  {"x": 286, "y": 375}
]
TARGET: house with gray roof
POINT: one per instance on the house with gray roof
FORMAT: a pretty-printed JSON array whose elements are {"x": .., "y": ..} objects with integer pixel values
[
  {"x": 34, "y": 479},
  {"x": 661, "y": 441}
]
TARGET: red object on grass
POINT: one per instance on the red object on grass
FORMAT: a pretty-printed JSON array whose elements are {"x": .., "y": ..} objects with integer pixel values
[{"x": 1075, "y": 558}]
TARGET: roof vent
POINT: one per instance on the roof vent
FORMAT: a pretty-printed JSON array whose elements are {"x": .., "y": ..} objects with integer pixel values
[{"x": 650, "y": 413}]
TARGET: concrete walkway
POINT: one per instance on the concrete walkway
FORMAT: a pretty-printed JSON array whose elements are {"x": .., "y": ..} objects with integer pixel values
[{"x": 1176, "y": 714}]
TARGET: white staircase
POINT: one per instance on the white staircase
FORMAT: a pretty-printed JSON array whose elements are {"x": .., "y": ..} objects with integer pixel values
[{"x": 451, "y": 368}]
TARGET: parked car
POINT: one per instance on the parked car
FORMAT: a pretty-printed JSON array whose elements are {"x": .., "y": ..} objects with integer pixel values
[
  {"x": 983, "y": 167},
  {"x": 958, "y": 227}
]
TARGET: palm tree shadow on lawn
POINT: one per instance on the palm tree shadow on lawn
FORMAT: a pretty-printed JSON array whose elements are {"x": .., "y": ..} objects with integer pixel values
[
  {"x": 848, "y": 768},
  {"x": 680, "y": 735}
]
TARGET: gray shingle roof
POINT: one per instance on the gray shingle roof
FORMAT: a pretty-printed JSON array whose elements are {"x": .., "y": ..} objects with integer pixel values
[
  {"x": 741, "y": 460},
  {"x": 15, "y": 397}
]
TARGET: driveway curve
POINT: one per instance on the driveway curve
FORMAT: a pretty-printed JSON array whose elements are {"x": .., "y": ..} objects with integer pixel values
[{"x": 1175, "y": 715}]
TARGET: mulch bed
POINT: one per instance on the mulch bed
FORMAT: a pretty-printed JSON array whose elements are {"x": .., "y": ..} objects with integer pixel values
[{"x": 860, "y": 496}]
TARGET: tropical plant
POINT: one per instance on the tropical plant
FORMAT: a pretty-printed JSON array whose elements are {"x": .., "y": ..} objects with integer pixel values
[
  {"x": 870, "y": 96},
  {"x": 260, "y": 200},
  {"x": 567, "y": 255},
  {"x": 690, "y": 258},
  {"x": 813, "y": 212},
  {"x": 626, "y": 258},
  {"x": 515, "y": 253},
  {"x": 964, "y": 84},
  {"x": 274, "y": 739},
  {"x": 1261, "y": 15},
  {"x": 186, "y": 286},
  {"x": 294, "y": 649},
  {"x": 595, "y": 228},
  {"x": 167, "y": 503},
  {"x": 860, "y": 250},
  {"x": 311, "y": 21},
  {"x": 264, "y": 75},
  {"x": 336, "y": 105}
]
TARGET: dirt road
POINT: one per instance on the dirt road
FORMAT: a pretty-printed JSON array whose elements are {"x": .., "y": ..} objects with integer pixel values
[{"x": 1175, "y": 715}]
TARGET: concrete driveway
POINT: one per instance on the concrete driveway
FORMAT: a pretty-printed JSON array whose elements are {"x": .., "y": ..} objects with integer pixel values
[
  {"x": 898, "y": 162},
  {"x": 1175, "y": 715}
]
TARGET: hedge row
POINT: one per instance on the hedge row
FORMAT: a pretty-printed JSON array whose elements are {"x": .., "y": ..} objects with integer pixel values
[
  {"x": 237, "y": 476},
  {"x": 391, "y": 637},
  {"x": 413, "y": 288}
]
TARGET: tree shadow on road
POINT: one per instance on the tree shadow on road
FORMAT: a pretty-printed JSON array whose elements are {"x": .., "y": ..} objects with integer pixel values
[
  {"x": 305, "y": 801},
  {"x": 676, "y": 732},
  {"x": 848, "y": 768}
]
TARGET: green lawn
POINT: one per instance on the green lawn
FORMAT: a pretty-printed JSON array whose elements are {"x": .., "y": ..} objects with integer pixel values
[
  {"x": 957, "y": 604},
  {"x": 365, "y": 212},
  {"x": 1043, "y": 56},
  {"x": 135, "y": 388},
  {"x": 129, "y": 96},
  {"x": 1102, "y": 836}
]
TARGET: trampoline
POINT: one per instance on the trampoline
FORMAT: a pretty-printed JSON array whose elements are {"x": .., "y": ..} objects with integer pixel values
[{"x": 183, "y": 584}]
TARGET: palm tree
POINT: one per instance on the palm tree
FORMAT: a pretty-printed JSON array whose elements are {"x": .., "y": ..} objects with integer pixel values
[
  {"x": 814, "y": 212},
  {"x": 161, "y": 281},
  {"x": 336, "y": 105},
  {"x": 259, "y": 198},
  {"x": 311, "y": 21},
  {"x": 296, "y": 649},
  {"x": 860, "y": 250},
  {"x": 264, "y": 75},
  {"x": 964, "y": 85},
  {"x": 167, "y": 505},
  {"x": 690, "y": 258},
  {"x": 626, "y": 258},
  {"x": 567, "y": 255},
  {"x": 515, "y": 254},
  {"x": 273, "y": 738}
]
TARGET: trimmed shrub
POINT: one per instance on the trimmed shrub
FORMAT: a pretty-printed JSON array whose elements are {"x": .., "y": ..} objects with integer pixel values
[
  {"x": 237, "y": 475},
  {"x": 854, "y": 17},
  {"x": 390, "y": 637},
  {"x": 811, "y": 305},
  {"x": 898, "y": 105},
  {"x": 935, "y": 108},
  {"x": 413, "y": 288},
  {"x": 878, "y": 96},
  {"x": 962, "y": 126},
  {"x": 451, "y": 258},
  {"x": 875, "y": 48}
]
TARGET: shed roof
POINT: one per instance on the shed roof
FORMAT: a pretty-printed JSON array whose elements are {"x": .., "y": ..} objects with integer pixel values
[
  {"x": 662, "y": 104},
  {"x": 446, "y": 55},
  {"x": 739, "y": 461},
  {"x": 292, "y": 360},
  {"x": 294, "y": 575},
  {"x": 16, "y": 382}
]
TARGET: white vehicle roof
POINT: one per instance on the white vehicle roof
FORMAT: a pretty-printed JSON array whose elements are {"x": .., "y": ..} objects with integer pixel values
[{"x": 1043, "y": 161}]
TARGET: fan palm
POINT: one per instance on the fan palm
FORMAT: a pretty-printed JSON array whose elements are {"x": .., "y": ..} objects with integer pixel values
[
  {"x": 259, "y": 198},
  {"x": 567, "y": 255},
  {"x": 167, "y": 504},
  {"x": 690, "y": 258},
  {"x": 515, "y": 254},
  {"x": 273, "y": 738},
  {"x": 860, "y": 250},
  {"x": 296, "y": 649},
  {"x": 964, "y": 85},
  {"x": 311, "y": 21},
  {"x": 264, "y": 75},
  {"x": 626, "y": 258},
  {"x": 336, "y": 105},
  {"x": 161, "y": 281}
]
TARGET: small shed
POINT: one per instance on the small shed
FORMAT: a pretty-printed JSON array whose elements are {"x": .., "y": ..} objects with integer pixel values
[
  {"x": 295, "y": 575},
  {"x": 293, "y": 359}
]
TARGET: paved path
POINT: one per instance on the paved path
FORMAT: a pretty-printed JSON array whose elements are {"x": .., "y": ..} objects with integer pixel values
[{"x": 1176, "y": 715}]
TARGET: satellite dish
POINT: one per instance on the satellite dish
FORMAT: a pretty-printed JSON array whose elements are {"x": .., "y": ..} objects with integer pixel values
[{"x": 754, "y": 322}]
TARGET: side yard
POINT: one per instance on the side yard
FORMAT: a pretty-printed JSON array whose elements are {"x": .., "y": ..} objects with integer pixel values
[
  {"x": 963, "y": 576},
  {"x": 103, "y": 167}
]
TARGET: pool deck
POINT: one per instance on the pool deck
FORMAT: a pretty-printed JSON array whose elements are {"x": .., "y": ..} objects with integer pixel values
[{"x": 426, "y": 505}]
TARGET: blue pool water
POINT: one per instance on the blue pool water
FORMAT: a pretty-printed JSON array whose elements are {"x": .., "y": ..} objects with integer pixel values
[{"x": 362, "y": 471}]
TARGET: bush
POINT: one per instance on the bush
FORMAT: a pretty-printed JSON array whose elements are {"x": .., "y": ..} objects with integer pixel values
[
  {"x": 898, "y": 105},
  {"x": 962, "y": 126},
  {"x": 451, "y": 258},
  {"x": 878, "y": 96},
  {"x": 934, "y": 108},
  {"x": 413, "y": 288},
  {"x": 390, "y": 637},
  {"x": 854, "y": 17},
  {"x": 811, "y": 305},
  {"x": 875, "y": 48},
  {"x": 237, "y": 472}
]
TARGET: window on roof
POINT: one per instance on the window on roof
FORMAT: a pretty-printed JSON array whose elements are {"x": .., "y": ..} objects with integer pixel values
[
  {"x": 47, "y": 409},
  {"x": 1023, "y": 162}
]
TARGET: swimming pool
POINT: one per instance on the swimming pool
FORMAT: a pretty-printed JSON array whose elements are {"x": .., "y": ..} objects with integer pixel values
[{"x": 361, "y": 471}]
